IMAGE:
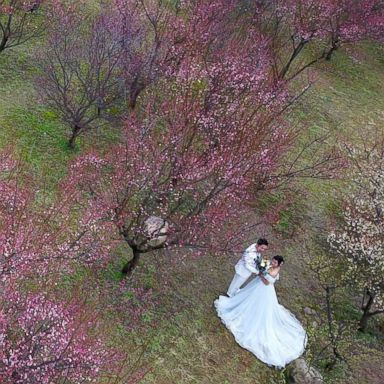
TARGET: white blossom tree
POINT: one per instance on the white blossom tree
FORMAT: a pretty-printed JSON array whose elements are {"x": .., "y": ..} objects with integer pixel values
[{"x": 362, "y": 239}]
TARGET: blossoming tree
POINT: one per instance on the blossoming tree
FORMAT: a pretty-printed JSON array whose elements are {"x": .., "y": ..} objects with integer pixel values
[
  {"x": 196, "y": 144},
  {"x": 324, "y": 25},
  {"x": 43, "y": 338},
  {"x": 362, "y": 239},
  {"x": 38, "y": 230},
  {"x": 45, "y": 341}
]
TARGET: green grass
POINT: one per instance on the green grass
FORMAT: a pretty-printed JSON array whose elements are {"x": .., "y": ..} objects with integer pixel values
[
  {"x": 40, "y": 139},
  {"x": 37, "y": 133},
  {"x": 347, "y": 98}
]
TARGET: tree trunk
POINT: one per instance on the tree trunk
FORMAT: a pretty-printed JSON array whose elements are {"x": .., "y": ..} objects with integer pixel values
[
  {"x": 131, "y": 264},
  {"x": 136, "y": 88},
  {"x": 366, "y": 314},
  {"x": 6, "y": 31},
  {"x": 72, "y": 139},
  {"x": 3, "y": 43},
  {"x": 330, "y": 53},
  {"x": 133, "y": 98},
  {"x": 331, "y": 331},
  {"x": 334, "y": 47}
]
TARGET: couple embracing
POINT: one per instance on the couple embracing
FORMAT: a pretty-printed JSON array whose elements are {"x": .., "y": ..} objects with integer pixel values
[{"x": 253, "y": 314}]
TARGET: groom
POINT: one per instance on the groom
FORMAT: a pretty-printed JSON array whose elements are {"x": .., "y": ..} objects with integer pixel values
[{"x": 247, "y": 265}]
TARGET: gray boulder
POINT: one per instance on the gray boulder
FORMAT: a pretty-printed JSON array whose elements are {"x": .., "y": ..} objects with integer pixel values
[
  {"x": 299, "y": 372},
  {"x": 309, "y": 311},
  {"x": 156, "y": 228}
]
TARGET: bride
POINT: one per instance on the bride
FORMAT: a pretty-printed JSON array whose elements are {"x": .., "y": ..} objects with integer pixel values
[{"x": 260, "y": 324}]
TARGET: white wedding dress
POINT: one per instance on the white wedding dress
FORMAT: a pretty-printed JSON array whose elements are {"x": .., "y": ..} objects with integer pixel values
[{"x": 261, "y": 325}]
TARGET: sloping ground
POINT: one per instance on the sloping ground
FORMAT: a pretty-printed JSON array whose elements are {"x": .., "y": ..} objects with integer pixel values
[
  {"x": 180, "y": 335},
  {"x": 348, "y": 96}
]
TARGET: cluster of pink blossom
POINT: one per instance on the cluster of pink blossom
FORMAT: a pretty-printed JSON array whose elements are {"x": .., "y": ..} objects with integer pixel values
[
  {"x": 37, "y": 233},
  {"x": 337, "y": 20},
  {"x": 42, "y": 340}
]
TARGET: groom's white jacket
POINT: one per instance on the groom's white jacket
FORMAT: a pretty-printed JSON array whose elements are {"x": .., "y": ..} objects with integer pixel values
[{"x": 246, "y": 265}]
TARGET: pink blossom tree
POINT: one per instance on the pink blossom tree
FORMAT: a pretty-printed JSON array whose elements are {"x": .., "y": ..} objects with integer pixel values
[
  {"x": 193, "y": 149},
  {"x": 95, "y": 65},
  {"x": 38, "y": 230},
  {"x": 147, "y": 32},
  {"x": 43, "y": 338},
  {"x": 361, "y": 239},
  {"x": 325, "y": 26},
  {"x": 202, "y": 137},
  {"x": 43, "y": 341}
]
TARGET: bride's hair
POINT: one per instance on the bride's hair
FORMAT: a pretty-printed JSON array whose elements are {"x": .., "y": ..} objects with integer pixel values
[{"x": 280, "y": 259}]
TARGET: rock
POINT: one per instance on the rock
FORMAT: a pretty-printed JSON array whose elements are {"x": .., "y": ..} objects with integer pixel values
[
  {"x": 309, "y": 311},
  {"x": 299, "y": 372},
  {"x": 156, "y": 229}
]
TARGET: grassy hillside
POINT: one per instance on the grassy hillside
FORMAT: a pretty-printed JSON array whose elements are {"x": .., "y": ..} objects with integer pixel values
[{"x": 180, "y": 339}]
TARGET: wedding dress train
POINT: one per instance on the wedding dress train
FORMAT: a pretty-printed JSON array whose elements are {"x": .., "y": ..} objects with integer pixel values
[{"x": 261, "y": 325}]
